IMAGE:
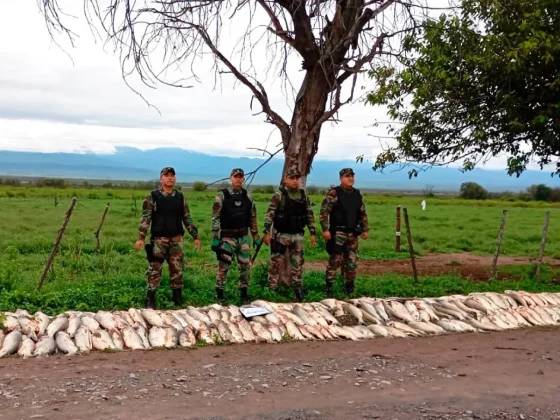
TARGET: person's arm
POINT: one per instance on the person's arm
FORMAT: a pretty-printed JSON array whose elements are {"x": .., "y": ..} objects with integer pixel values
[
  {"x": 145, "y": 218},
  {"x": 216, "y": 214}
]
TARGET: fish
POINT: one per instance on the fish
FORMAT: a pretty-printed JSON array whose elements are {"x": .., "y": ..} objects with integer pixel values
[
  {"x": 11, "y": 343},
  {"x": 553, "y": 314},
  {"x": 263, "y": 304},
  {"x": 395, "y": 332},
  {"x": 101, "y": 340},
  {"x": 152, "y": 317},
  {"x": 180, "y": 319},
  {"x": 58, "y": 324},
  {"x": 411, "y": 308},
  {"x": 107, "y": 320},
  {"x": 378, "y": 330},
  {"x": 236, "y": 333},
  {"x": 199, "y": 315},
  {"x": 275, "y": 332},
  {"x": 136, "y": 316},
  {"x": 143, "y": 333},
  {"x": 261, "y": 332},
  {"x": 227, "y": 316},
  {"x": 170, "y": 320},
  {"x": 291, "y": 316},
  {"x": 474, "y": 303},
  {"x": 203, "y": 334},
  {"x": 344, "y": 332},
  {"x": 156, "y": 336},
  {"x": 46, "y": 346},
  {"x": 355, "y": 312},
  {"x": 43, "y": 322},
  {"x": 303, "y": 315},
  {"x": 397, "y": 310},
  {"x": 293, "y": 331},
  {"x": 117, "y": 339},
  {"x": 65, "y": 344},
  {"x": 426, "y": 327},
  {"x": 187, "y": 337},
  {"x": 214, "y": 315},
  {"x": 28, "y": 327},
  {"x": 132, "y": 339},
  {"x": 83, "y": 339},
  {"x": 405, "y": 328},
  {"x": 326, "y": 314},
  {"x": 329, "y": 303},
  {"x": 482, "y": 324},
  {"x": 11, "y": 323},
  {"x": 422, "y": 305},
  {"x": 451, "y": 325},
  {"x": 90, "y": 323},
  {"x": 171, "y": 337},
  {"x": 74, "y": 322},
  {"x": 224, "y": 331},
  {"x": 2, "y": 336},
  {"x": 195, "y": 323}
]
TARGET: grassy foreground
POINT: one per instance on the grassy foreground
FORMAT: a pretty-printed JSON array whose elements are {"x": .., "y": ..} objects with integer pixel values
[{"x": 114, "y": 277}]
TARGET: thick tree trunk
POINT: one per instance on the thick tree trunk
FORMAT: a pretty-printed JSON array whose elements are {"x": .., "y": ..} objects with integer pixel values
[{"x": 305, "y": 131}]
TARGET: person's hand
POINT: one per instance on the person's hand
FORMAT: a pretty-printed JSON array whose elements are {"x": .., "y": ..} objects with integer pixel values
[
  {"x": 139, "y": 244},
  {"x": 364, "y": 235},
  {"x": 313, "y": 240},
  {"x": 197, "y": 244},
  {"x": 327, "y": 235},
  {"x": 266, "y": 239}
]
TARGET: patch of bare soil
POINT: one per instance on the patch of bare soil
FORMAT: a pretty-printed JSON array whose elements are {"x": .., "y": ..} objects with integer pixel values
[
  {"x": 464, "y": 264},
  {"x": 505, "y": 375}
]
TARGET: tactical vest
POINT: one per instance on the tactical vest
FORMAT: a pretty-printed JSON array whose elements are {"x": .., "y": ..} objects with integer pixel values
[
  {"x": 346, "y": 213},
  {"x": 236, "y": 211},
  {"x": 167, "y": 217},
  {"x": 291, "y": 215}
]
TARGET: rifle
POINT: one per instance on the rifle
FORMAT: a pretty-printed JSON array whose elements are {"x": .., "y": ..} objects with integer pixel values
[{"x": 256, "y": 252}]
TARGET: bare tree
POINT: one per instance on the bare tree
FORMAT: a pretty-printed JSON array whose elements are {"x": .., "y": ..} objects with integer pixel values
[{"x": 334, "y": 39}]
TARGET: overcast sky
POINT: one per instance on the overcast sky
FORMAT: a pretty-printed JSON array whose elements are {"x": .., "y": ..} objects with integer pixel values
[{"x": 50, "y": 102}]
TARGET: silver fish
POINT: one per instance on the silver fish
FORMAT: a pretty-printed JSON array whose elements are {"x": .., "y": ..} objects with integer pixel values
[
  {"x": 2, "y": 336},
  {"x": 58, "y": 324},
  {"x": 187, "y": 337},
  {"x": 156, "y": 335},
  {"x": 43, "y": 322},
  {"x": 65, "y": 344},
  {"x": 236, "y": 333},
  {"x": 195, "y": 323},
  {"x": 143, "y": 333},
  {"x": 355, "y": 312},
  {"x": 171, "y": 337},
  {"x": 11, "y": 323},
  {"x": 74, "y": 322},
  {"x": 46, "y": 346},
  {"x": 136, "y": 316},
  {"x": 152, "y": 317},
  {"x": 107, "y": 320},
  {"x": 83, "y": 339},
  {"x": 293, "y": 331},
  {"x": 11, "y": 343},
  {"x": 28, "y": 327},
  {"x": 131, "y": 339},
  {"x": 214, "y": 315},
  {"x": 303, "y": 315},
  {"x": 90, "y": 323},
  {"x": 261, "y": 332},
  {"x": 378, "y": 330}
]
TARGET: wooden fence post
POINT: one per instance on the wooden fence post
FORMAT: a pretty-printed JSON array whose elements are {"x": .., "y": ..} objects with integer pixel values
[
  {"x": 398, "y": 231},
  {"x": 100, "y": 226},
  {"x": 498, "y": 244},
  {"x": 543, "y": 243},
  {"x": 56, "y": 243},
  {"x": 410, "y": 247}
]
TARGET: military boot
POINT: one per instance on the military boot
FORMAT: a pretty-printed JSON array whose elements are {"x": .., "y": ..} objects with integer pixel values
[
  {"x": 177, "y": 296},
  {"x": 349, "y": 288},
  {"x": 328, "y": 290},
  {"x": 220, "y": 296},
  {"x": 299, "y": 294},
  {"x": 151, "y": 299},
  {"x": 243, "y": 295}
]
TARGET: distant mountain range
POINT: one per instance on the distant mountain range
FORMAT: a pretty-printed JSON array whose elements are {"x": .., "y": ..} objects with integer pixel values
[{"x": 132, "y": 164}]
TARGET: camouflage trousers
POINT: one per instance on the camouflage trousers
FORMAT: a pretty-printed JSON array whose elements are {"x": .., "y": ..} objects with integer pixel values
[
  {"x": 170, "y": 250},
  {"x": 294, "y": 244},
  {"x": 241, "y": 249},
  {"x": 345, "y": 256}
]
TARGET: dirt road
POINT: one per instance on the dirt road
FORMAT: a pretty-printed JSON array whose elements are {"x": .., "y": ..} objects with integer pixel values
[
  {"x": 507, "y": 375},
  {"x": 464, "y": 264}
]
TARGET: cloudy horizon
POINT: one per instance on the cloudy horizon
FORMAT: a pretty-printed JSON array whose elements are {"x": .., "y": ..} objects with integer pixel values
[{"x": 75, "y": 100}]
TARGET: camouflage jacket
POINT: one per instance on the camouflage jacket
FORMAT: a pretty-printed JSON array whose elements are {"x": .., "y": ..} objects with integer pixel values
[
  {"x": 276, "y": 201},
  {"x": 217, "y": 211},
  {"x": 328, "y": 203},
  {"x": 146, "y": 219}
]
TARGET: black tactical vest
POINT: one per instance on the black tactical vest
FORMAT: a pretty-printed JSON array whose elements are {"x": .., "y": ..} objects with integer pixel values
[
  {"x": 346, "y": 213},
  {"x": 236, "y": 210},
  {"x": 291, "y": 217},
  {"x": 167, "y": 217}
]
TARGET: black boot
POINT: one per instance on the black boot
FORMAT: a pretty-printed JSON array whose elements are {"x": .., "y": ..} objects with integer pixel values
[
  {"x": 328, "y": 290},
  {"x": 220, "y": 296},
  {"x": 177, "y": 296},
  {"x": 151, "y": 299},
  {"x": 243, "y": 295},
  {"x": 349, "y": 288},
  {"x": 299, "y": 294}
]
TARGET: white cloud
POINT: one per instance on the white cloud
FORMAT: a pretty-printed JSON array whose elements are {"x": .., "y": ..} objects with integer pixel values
[{"x": 51, "y": 103}]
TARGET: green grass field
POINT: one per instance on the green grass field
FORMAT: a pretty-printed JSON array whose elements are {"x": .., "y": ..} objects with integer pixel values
[{"x": 114, "y": 277}]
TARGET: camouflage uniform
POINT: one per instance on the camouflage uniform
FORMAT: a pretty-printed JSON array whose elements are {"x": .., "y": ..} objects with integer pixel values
[
  {"x": 168, "y": 249},
  {"x": 343, "y": 246},
  {"x": 282, "y": 240},
  {"x": 234, "y": 241}
]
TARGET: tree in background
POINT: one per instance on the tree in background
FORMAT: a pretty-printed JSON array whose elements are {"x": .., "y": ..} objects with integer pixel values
[
  {"x": 473, "y": 191},
  {"x": 481, "y": 84},
  {"x": 332, "y": 39}
]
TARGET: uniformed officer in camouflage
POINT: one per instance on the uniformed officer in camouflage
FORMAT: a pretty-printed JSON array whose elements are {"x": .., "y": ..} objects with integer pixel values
[
  {"x": 289, "y": 212},
  {"x": 234, "y": 214},
  {"x": 343, "y": 219},
  {"x": 166, "y": 209}
]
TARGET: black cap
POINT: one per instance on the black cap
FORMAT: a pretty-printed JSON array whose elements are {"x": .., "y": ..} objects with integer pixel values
[
  {"x": 237, "y": 171},
  {"x": 166, "y": 170},
  {"x": 346, "y": 171}
]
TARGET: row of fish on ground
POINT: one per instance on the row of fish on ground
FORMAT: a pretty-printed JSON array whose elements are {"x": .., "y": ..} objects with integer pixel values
[{"x": 75, "y": 332}]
